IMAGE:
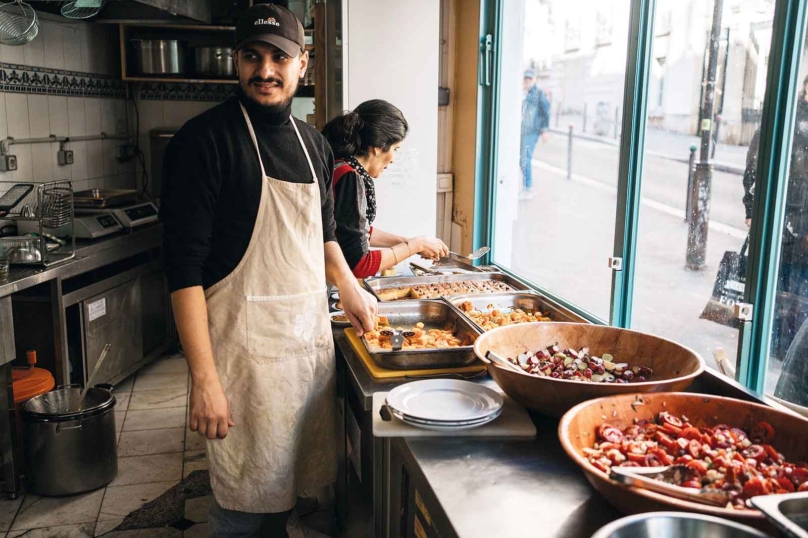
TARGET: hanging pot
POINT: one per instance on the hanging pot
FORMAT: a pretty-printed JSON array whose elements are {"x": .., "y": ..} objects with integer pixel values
[{"x": 70, "y": 449}]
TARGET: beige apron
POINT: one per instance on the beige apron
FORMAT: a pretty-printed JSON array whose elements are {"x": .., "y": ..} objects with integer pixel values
[{"x": 274, "y": 352}]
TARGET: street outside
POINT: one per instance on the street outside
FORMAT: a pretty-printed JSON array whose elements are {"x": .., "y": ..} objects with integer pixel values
[{"x": 564, "y": 236}]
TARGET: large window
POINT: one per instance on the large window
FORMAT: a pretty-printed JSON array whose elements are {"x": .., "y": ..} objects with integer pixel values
[
  {"x": 562, "y": 75},
  {"x": 678, "y": 260},
  {"x": 690, "y": 162}
]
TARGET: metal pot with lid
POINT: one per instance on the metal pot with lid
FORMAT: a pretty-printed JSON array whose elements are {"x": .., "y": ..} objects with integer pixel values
[
  {"x": 159, "y": 56},
  {"x": 214, "y": 61},
  {"x": 70, "y": 447}
]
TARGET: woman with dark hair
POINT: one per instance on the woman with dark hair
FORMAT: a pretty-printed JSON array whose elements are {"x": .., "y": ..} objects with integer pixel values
[{"x": 364, "y": 142}]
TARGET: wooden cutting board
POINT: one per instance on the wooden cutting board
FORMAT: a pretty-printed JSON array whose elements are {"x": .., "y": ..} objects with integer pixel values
[{"x": 513, "y": 422}]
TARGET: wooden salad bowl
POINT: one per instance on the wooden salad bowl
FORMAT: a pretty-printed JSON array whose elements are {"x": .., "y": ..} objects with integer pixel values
[
  {"x": 576, "y": 431},
  {"x": 675, "y": 366}
]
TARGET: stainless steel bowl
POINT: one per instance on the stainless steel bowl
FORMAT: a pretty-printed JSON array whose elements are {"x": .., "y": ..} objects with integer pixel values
[
  {"x": 214, "y": 61},
  {"x": 676, "y": 525}
]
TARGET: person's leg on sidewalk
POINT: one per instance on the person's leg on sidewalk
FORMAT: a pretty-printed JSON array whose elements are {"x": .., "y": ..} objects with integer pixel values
[
  {"x": 528, "y": 143},
  {"x": 225, "y": 523}
]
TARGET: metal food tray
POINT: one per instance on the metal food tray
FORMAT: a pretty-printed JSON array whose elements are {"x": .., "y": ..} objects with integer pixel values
[
  {"x": 446, "y": 266},
  {"x": 379, "y": 283},
  {"x": 529, "y": 301},
  {"x": 435, "y": 314},
  {"x": 789, "y": 512},
  {"x": 102, "y": 198}
]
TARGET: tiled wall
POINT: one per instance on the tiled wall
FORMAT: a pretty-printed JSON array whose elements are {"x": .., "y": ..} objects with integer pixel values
[{"x": 65, "y": 83}]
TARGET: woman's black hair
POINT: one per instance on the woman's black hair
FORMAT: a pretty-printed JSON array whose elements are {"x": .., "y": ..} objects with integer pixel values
[{"x": 373, "y": 124}]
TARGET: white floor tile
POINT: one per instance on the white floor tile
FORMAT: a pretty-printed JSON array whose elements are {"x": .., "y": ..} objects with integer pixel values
[
  {"x": 8, "y": 511},
  {"x": 154, "y": 419},
  {"x": 194, "y": 461},
  {"x": 158, "y": 399},
  {"x": 146, "y": 442},
  {"x": 147, "y": 469},
  {"x": 121, "y": 501},
  {"x": 166, "y": 365},
  {"x": 163, "y": 532},
  {"x": 194, "y": 442},
  {"x": 103, "y": 526},
  {"x": 38, "y": 512},
  {"x": 82, "y": 530},
  {"x": 160, "y": 381}
]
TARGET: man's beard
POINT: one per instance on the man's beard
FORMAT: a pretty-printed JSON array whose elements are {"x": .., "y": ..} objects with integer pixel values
[{"x": 273, "y": 108}]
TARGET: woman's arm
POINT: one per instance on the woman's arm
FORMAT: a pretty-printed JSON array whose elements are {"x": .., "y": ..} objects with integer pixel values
[{"x": 380, "y": 238}]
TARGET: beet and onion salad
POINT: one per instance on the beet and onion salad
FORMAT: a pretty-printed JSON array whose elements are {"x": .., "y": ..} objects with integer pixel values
[
  {"x": 580, "y": 365},
  {"x": 740, "y": 462}
]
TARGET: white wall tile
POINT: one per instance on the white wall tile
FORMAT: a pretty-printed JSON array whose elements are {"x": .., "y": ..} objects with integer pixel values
[
  {"x": 84, "y": 43},
  {"x": 38, "y": 115},
  {"x": 79, "y": 168},
  {"x": 111, "y": 165},
  {"x": 100, "y": 46},
  {"x": 34, "y": 52},
  {"x": 176, "y": 113},
  {"x": 151, "y": 115},
  {"x": 81, "y": 185},
  {"x": 57, "y": 112},
  {"x": 53, "y": 36},
  {"x": 60, "y": 171},
  {"x": 121, "y": 121},
  {"x": 92, "y": 114},
  {"x": 3, "y": 116},
  {"x": 108, "y": 116},
  {"x": 24, "y": 171},
  {"x": 42, "y": 161},
  {"x": 72, "y": 49},
  {"x": 95, "y": 159},
  {"x": 119, "y": 182},
  {"x": 17, "y": 114},
  {"x": 76, "y": 120},
  {"x": 12, "y": 55},
  {"x": 95, "y": 183}
]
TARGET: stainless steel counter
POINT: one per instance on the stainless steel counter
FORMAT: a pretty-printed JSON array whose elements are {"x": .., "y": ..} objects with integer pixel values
[
  {"x": 475, "y": 488},
  {"x": 89, "y": 256}
]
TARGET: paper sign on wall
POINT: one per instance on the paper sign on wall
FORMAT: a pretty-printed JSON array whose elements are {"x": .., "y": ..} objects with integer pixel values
[
  {"x": 97, "y": 308},
  {"x": 403, "y": 169}
]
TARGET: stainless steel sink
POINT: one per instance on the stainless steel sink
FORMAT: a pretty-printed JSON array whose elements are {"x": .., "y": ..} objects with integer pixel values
[
  {"x": 789, "y": 512},
  {"x": 676, "y": 525}
]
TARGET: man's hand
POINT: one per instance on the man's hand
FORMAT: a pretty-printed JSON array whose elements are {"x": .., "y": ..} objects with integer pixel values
[
  {"x": 210, "y": 414},
  {"x": 748, "y": 224},
  {"x": 359, "y": 307}
]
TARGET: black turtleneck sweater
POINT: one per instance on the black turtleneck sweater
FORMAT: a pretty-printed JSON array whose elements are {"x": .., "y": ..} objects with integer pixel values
[{"x": 212, "y": 186}]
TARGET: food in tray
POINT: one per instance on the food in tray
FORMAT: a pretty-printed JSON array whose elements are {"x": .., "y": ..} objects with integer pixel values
[
  {"x": 440, "y": 289},
  {"x": 417, "y": 337},
  {"x": 340, "y": 318},
  {"x": 580, "y": 366},
  {"x": 739, "y": 462},
  {"x": 495, "y": 317}
]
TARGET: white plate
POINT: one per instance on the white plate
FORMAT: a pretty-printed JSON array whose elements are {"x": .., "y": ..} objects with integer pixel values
[
  {"x": 345, "y": 323},
  {"x": 451, "y": 428},
  {"x": 334, "y": 295},
  {"x": 448, "y": 424},
  {"x": 445, "y": 400}
]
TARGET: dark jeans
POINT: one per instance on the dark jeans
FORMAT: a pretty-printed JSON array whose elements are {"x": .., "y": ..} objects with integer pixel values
[
  {"x": 225, "y": 523},
  {"x": 527, "y": 145}
]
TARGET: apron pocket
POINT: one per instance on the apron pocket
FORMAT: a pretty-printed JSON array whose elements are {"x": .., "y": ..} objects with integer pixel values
[{"x": 287, "y": 327}]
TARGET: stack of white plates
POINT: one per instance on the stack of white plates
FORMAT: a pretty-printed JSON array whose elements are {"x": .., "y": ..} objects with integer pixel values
[{"x": 444, "y": 404}]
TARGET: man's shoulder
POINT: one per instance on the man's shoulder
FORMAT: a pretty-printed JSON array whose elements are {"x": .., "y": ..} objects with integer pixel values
[{"x": 307, "y": 131}]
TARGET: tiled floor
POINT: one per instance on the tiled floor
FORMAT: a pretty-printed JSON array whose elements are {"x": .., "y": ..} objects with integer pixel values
[{"x": 155, "y": 452}]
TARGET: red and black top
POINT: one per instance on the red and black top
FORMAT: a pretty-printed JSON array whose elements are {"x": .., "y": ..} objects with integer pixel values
[{"x": 351, "y": 215}]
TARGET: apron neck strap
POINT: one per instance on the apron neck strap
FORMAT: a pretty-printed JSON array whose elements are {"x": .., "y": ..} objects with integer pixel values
[{"x": 258, "y": 151}]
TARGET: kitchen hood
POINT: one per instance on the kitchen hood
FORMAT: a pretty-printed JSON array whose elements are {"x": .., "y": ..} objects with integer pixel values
[{"x": 150, "y": 11}]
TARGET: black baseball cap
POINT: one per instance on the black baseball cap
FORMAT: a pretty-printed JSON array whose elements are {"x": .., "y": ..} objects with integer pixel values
[{"x": 272, "y": 24}]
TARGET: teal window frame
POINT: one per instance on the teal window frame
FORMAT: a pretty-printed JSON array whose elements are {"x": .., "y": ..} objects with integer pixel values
[{"x": 776, "y": 129}]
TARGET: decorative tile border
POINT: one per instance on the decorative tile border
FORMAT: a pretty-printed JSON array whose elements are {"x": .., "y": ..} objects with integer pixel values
[
  {"x": 41, "y": 80},
  {"x": 177, "y": 91}
]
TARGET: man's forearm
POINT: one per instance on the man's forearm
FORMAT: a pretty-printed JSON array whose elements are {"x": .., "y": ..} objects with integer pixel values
[{"x": 191, "y": 315}]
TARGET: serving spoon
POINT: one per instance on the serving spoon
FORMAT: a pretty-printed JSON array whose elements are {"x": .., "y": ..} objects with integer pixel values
[
  {"x": 476, "y": 255},
  {"x": 651, "y": 478}
]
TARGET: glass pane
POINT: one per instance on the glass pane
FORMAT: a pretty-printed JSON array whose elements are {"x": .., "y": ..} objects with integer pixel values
[
  {"x": 689, "y": 277},
  {"x": 561, "y": 93},
  {"x": 787, "y": 370}
]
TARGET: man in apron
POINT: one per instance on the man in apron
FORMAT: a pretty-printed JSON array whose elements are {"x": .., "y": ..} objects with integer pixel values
[{"x": 249, "y": 244}]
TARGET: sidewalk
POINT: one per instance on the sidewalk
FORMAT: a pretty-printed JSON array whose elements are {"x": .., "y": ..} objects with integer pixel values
[{"x": 673, "y": 146}]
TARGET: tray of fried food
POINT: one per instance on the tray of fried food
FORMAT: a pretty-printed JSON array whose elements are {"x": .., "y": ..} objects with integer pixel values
[{"x": 420, "y": 334}]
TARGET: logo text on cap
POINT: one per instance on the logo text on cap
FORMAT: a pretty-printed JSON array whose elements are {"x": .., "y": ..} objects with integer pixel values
[{"x": 271, "y": 21}]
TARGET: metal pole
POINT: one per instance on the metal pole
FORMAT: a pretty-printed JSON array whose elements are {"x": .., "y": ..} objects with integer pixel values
[
  {"x": 700, "y": 196},
  {"x": 688, "y": 201},
  {"x": 584, "y": 129},
  {"x": 569, "y": 152},
  {"x": 616, "y": 122},
  {"x": 558, "y": 113}
]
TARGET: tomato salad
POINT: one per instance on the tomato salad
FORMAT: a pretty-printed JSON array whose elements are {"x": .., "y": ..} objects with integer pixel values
[
  {"x": 580, "y": 365},
  {"x": 742, "y": 463}
]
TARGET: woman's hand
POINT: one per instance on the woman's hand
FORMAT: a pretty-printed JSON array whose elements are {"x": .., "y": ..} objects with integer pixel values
[{"x": 431, "y": 248}]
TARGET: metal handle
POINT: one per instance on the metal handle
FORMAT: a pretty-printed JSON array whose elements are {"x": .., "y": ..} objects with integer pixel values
[
  {"x": 70, "y": 386},
  {"x": 489, "y": 51},
  {"x": 109, "y": 387},
  {"x": 67, "y": 426}
]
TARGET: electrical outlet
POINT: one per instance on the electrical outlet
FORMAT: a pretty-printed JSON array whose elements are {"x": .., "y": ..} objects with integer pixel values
[
  {"x": 8, "y": 163},
  {"x": 65, "y": 157}
]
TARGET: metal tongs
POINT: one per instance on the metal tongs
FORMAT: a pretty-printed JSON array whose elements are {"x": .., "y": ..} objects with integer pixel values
[
  {"x": 651, "y": 478},
  {"x": 397, "y": 337}
]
